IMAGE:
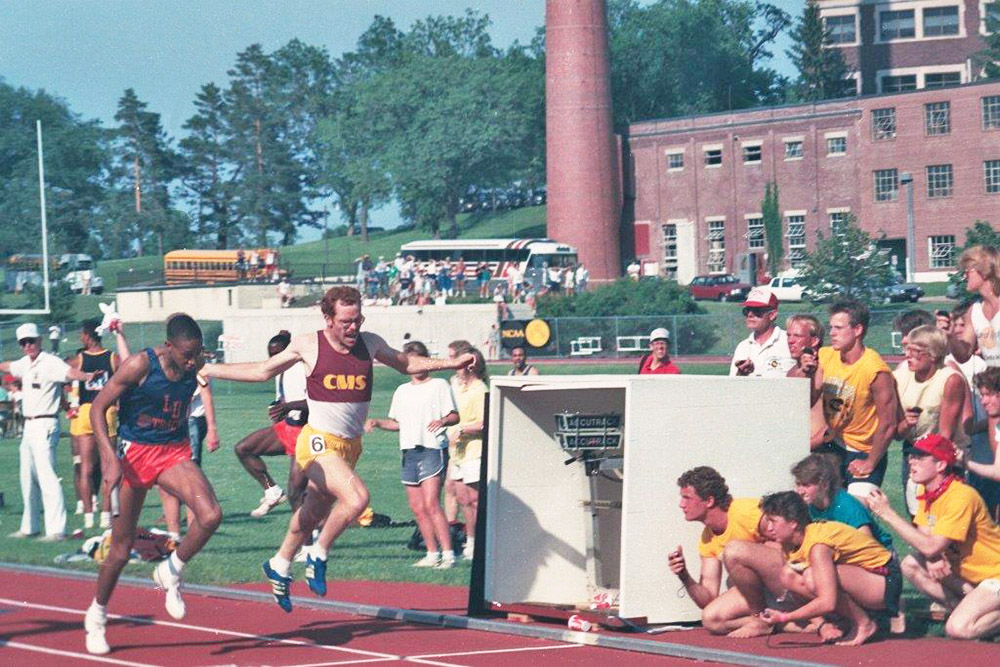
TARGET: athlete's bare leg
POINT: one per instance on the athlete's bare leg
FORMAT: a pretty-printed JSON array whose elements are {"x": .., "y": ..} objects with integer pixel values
[
  {"x": 122, "y": 536},
  {"x": 425, "y": 502},
  {"x": 468, "y": 500},
  {"x": 977, "y": 615},
  {"x": 262, "y": 442},
  {"x": 330, "y": 478},
  {"x": 752, "y": 568},
  {"x": 450, "y": 499},
  {"x": 295, "y": 490},
  {"x": 74, "y": 445},
  {"x": 171, "y": 511},
  {"x": 90, "y": 467},
  {"x": 947, "y": 591},
  {"x": 188, "y": 483}
]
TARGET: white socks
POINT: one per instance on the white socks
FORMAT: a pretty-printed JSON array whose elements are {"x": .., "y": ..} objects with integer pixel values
[
  {"x": 176, "y": 564},
  {"x": 281, "y": 565}
]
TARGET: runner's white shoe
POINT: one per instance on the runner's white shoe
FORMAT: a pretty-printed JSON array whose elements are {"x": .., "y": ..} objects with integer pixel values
[
  {"x": 445, "y": 563},
  {"x": 273, "y": 496},
  {"x": 94, "y": 623},
  {"x": 170, "y": 581}
]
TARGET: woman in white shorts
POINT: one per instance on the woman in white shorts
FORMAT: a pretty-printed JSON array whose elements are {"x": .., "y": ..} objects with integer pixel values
[
  {"x": 465, "y": 443},
  {"x": 420, "y": 411}
]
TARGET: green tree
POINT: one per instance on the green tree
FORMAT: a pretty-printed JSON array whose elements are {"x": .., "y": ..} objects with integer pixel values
[
  {"x": 773, "y": 234},
  {"x": 822, "y": 68},
  {"x": 989, "y": 57},
  {"x": 677, "y": 57},
  {"x": 980, "y": 233},
  {"x": 848, "y": 263}
]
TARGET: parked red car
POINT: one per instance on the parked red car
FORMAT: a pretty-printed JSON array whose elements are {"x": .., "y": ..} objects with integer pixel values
[{"x": 723, "y": 287}]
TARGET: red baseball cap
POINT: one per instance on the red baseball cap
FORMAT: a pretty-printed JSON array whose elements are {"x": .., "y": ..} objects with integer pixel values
[
  {"x": 936, "y": 445},
  {"x": 761, "y": 297}
]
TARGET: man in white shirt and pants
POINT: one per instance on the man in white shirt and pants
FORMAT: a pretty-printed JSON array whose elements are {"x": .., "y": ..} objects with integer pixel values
[
  {"x": 42, "y": 376},
  {"x": 764, "y": 353}
]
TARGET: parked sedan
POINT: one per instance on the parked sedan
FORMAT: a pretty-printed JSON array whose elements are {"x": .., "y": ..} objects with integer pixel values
[
  {"x": 897, "y": 290},
  {"x": 724, "y": 287},
  {"x": 786, "y": 289}
]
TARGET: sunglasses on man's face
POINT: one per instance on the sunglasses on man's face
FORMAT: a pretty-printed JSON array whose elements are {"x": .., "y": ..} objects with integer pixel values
[
  {"x": 756, "y": 312},
  {"x": 27, "y": 341}
]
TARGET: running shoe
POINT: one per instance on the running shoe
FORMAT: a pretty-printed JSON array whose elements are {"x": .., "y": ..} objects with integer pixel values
[
  {"x": 279, "y": 586},
  {"x": 445, "y": 563},
  {"x": 430, "y": 560},
  {"x": 316, "y": 575},
  {"x": 273, "y": 497},
  {"x": 170, "y": 581},
  {"x": 95, "y": 622}
]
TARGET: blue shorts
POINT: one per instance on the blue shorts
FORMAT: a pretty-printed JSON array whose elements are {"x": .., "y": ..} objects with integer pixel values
[{"x": 422, "y": 463}]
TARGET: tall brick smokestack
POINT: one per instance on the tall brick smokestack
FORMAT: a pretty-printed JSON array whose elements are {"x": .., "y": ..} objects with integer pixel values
[{"x": 583, "y": 200}]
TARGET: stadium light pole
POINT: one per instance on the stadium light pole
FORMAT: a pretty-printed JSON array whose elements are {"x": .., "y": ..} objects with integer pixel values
[{"x": 906, "y": 178}]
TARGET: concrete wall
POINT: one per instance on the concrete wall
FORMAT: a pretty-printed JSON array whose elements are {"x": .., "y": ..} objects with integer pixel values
[
  {"x": 246, "y": 332},
  {"x": 201, "y": 303}
]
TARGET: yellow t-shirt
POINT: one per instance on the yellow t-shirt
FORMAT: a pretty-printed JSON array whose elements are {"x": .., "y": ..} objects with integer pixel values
[
  {"x": 743, "y": 520},
  {"x": 471, "y": 402},
  {"x": 849, "y": 545},
  {"x": 960, "y": 515},
  {"x": 848, "y": 403}
]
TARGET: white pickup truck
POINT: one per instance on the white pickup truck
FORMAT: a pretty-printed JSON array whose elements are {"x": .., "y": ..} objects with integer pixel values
[{"x": 79, "y": 273}]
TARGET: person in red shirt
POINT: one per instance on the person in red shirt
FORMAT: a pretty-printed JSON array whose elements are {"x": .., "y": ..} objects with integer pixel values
[{"x": 657, "y": 362}]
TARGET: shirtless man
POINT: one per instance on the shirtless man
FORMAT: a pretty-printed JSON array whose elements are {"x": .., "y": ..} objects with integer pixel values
[
  {"x": 154, "y": 389},
  {"x": 339, "y": 366}
]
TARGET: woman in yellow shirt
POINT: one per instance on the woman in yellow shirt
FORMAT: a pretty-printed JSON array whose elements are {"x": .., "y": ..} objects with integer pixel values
[
  {"x": 834, "y": 566},
  {"x": 465, "y": 443}
]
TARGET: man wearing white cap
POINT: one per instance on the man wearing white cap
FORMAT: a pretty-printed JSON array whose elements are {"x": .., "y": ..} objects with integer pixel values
[
  {"x": 657, "y": 362},
  {"x": 764, "y": 353},
  {"x": 42, "y": 376}
]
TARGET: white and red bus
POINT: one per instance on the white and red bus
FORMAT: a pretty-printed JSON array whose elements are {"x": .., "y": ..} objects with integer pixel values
[{"x": 530, "y": 256}]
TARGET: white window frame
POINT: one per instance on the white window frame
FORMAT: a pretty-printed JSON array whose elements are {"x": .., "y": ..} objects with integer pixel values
[
  {"x": 918, "y": 20},
  {"x": 835, "y": 135},
  {"x": 994, "y": 100},
  {"x": 706, "y": 149},
  {"x": 792, "y": 140},
  {"x": 941, "y": 247},
  {"x": 716, "y": 257},
  {"x": 755, "y": 231},
  {"x": 752, "y": 143},
  {"x": 839, "y": 211},
  {"x": 982, "y": 15},
  {"x": 920, "y": 73},
  {"x": 937, "y": 122},
  {"x": 895, "y": 124},
  {"x": 670, "y": 261},
  {"x": 838, "y": 14},
  {"x": 670, "y": 152},
  {"x": 796, "y": 241},
  {"x": 938, "y": 178},
  {"x": 960, "y": 16},
  {"x": 875, "y": 190},
  {"x": 991, "y": 171}
]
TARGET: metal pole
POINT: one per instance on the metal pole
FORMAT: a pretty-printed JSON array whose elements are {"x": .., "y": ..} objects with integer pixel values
[
  {"x": 906, "y": 178},
  {"x": 45, "y": 228}
]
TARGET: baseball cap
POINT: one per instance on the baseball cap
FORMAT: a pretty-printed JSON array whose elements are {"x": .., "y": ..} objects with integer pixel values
[
  {"x": 933, "y": 444},
  {"x": 659, "y": 333},
  {"x": 28, "y": 330},
  {"x": 761, "y": 297}
]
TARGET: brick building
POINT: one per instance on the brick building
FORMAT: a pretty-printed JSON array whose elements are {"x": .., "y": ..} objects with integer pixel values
[
  {"x": 694, "y": 186},
  {"x": 897, "y": 46}
]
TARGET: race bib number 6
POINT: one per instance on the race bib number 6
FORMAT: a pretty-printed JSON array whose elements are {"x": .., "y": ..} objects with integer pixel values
[{"x": 317, "y": 445}]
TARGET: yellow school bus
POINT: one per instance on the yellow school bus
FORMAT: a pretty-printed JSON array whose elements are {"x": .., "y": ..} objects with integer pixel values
[{"x": 220, "y": 266}]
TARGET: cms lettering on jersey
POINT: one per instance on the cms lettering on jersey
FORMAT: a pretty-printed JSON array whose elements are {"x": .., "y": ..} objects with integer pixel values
[{"x": 345, "y": 382}]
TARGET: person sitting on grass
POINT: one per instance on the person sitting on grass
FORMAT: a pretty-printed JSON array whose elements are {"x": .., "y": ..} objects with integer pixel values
[
  {"x": 420, "y": 411},
  {"x": 835, "y": 567},
  {"x": 705, "y": 498},
  {"x": 956, "y": 557}
]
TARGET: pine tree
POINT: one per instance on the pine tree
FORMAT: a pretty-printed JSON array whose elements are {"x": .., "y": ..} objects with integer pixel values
[
  {"x": 773, "y": 234},
  {"x": 989, "y": 57},
  {"x": 822, "y": 69},
  {"x": 848, "y": 263}
]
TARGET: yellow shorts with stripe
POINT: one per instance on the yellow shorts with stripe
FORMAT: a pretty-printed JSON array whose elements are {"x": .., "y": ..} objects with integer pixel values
[
  {"x": 80, "y": 425},
  {"x": 313, "y": 443}
]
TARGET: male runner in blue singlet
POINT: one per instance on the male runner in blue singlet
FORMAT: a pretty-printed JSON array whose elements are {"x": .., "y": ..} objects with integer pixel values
[{"x": 154, "y": 388}]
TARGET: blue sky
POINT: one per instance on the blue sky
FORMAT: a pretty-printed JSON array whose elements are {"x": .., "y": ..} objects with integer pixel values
[{"x": 89, "y": 52}]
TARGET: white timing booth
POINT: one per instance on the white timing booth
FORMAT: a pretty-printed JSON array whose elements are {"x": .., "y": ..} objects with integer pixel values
[{"x": 582, "y": 493}]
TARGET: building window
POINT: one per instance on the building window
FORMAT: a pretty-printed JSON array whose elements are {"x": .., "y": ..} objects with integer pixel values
[
  {"x": 991, "y": 14},
  {"x": 713, "y": 157},
  {"x": 942, "y": 251},
  {"x": 991, "y": 172},
  {"x": 886, "y": 185},
  {"x": 793, "y": 150},
  {"x": 796, "y": 235},
  {"x": 716, "y": 246},
  {"x": 838, "y": 222},
  {"x": 883, "y": 124},
  {"x": 841, "y": 29},
  {"x": 937, "y": 118},
  {"x": 755, "y": 231},
  {"x": 896, "y": 25},
  {"x": 670, "y": 251},
  {"x": 836, "y": 145},
  {"x": 848, "y": 87},
  {"x": 991, "y": 112},
  {"x": 675, "y": 161},
  {"x": 939, "y": 181},
  {"x": 751, "y": 154},
  {"x": 940, "y": 21},
  {"x": 899, "y": 84},
  {"x": 942, "y": 79}
]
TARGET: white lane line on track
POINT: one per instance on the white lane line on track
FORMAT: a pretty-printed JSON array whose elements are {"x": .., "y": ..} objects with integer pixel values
[
  {"x": 426, "y": 658},
  {"x": 70, "y": 654},
  {"x": 217, "y": 631}
]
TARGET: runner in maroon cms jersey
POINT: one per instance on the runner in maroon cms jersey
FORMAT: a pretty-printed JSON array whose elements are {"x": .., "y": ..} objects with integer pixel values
[{"x": 338, "y": 361}]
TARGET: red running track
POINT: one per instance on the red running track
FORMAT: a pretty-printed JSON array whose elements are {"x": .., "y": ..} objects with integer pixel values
[{"x": 41, "y": 617}]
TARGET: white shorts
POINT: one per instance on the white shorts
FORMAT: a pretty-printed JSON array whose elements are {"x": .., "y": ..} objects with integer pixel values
[{"x": 467, "y": 471}]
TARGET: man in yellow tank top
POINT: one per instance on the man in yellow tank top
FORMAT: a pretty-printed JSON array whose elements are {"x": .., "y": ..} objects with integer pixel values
[{"x": 859, "y": 397}]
